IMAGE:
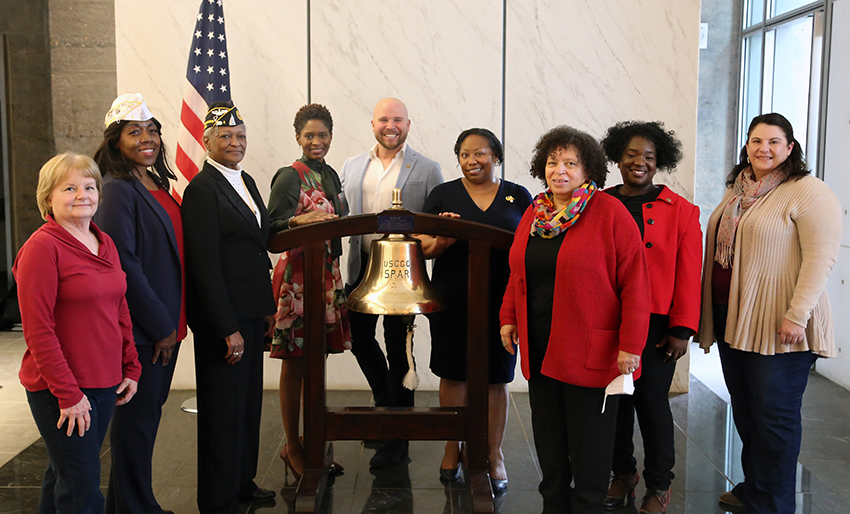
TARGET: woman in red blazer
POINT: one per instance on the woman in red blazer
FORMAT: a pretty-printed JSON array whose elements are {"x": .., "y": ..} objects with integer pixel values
[
  {"x": 577, "y": 303},
  {"x": 672, "y": 241}
]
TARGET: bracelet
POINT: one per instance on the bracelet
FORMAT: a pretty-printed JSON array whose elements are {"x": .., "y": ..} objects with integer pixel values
[{"x": 289, "y": 222}]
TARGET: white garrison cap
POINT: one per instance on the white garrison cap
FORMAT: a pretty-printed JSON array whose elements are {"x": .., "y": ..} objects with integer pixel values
[{"x": 128, "y": 107}]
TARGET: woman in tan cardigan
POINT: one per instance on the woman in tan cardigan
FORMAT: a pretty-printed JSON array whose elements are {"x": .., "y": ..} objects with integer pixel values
[{"x": 770, "y": 246}]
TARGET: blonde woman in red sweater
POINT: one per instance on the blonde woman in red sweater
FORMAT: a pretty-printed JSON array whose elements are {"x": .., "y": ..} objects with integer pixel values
[{"x": 81, "y": 359}]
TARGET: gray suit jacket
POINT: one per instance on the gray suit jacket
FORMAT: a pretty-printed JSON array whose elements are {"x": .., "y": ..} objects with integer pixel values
[{"x": 418, "y": 176}]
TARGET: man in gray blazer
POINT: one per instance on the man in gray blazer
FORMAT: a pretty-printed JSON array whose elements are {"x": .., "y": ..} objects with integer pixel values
[{"x": 367, "y": 182}]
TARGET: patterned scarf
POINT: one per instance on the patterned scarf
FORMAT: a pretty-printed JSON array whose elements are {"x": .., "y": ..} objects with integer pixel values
[
  {"x": 747, "y": 190},
  {"x": 548, "y": 223}
]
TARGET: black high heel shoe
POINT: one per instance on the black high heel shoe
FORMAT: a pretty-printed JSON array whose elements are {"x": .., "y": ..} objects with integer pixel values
[
  {"x": 621, "y": 492},
  {"x": 499, "y": 486},
  {"x": 450, "y": 474}
]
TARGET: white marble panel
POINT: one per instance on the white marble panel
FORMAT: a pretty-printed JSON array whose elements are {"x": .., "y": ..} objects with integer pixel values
[
  {"x": 591, "y": 64},
  {"x": 267, "y": 43},
  {"x": 443, "y": 59}
]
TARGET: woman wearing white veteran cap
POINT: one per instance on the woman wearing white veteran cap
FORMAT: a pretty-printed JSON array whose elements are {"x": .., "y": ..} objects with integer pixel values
[
  {"x": 144, "y": 220},
  {"x": 230, "y": 294}
]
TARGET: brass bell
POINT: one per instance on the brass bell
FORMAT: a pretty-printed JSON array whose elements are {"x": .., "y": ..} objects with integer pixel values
[{"x": 395, "y": 282}]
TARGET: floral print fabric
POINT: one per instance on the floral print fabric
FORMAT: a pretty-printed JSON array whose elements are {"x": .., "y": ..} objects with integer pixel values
[{"x": 288, "y": 283}]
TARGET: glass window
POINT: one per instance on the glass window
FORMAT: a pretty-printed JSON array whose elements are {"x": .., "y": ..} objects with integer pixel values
[
  {"x": 754, "y": 12},
  {"x": 750, "y": 83},
  {"x": 781, "y": 67},
  {"x": 813, "y": 135},
  {"x": 778, "y": 7},
  {"x": 788, "y": 92}
]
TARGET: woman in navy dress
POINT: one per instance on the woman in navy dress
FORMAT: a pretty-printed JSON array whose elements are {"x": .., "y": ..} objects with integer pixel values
[{"x": 481, "y": 196}]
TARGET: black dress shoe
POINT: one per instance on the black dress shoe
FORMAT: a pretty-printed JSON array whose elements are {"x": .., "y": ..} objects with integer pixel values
[
  {"x": 450, "y": 474},
  {"x": 390, "y": 453},
  {"x": 259, "y": 495},
  {"x": 499, "y": 486}
]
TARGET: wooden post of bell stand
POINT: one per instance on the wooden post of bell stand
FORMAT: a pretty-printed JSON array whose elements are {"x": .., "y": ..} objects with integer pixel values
[
  {"x": 477, "y": 376},
  {"x": 308, "y": 496},
  {"x": 321, "y": 424}
]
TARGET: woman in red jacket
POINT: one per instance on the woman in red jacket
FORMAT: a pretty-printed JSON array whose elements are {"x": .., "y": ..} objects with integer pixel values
[
  {"x": 81, "y": 359},
  {"x": 577, "y": 303},
  {"x": 672, "y": 240}
]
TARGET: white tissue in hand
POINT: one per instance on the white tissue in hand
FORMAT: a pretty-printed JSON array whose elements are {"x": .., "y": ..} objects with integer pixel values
[{"x": 623, "y": 384}]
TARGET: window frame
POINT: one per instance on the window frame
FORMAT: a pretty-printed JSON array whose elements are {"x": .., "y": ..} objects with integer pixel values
[{"x": 763, "y": 27}]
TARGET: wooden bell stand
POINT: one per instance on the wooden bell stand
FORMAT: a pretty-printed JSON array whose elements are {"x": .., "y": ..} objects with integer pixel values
[{"x": 322, "y": 425}]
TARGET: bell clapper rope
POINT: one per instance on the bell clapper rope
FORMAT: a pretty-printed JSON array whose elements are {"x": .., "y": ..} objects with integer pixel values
[{"x": 411, "y": 379}]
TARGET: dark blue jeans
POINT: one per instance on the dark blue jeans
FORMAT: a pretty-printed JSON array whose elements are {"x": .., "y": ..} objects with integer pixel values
[
  {"x": 72, "y": 481},
  {"x": 767, "y": 394}
]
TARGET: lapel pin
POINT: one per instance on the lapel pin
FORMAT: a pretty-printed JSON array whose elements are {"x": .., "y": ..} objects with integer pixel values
[{"x": 510, "y": 199}]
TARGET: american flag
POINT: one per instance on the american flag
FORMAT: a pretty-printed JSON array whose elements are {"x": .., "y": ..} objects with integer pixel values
[{"x": 207, "y": 81}]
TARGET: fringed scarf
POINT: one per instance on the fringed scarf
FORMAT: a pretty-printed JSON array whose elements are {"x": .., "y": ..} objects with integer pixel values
[{"x": 747, "y": 190}]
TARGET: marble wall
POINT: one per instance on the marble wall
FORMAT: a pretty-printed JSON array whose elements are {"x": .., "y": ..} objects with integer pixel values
[{"x": 578, "y": 63}]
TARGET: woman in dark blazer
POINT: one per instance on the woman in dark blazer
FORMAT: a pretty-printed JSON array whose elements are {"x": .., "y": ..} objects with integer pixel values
[
  {"x": 227, "y": 230},
  {"x": 143, "y": 219}
]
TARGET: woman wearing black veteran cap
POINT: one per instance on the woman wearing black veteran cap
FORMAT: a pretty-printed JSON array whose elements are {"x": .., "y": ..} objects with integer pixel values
[
  {"x": 144, "y": 220},
  {"x": 226, "y": 227}
]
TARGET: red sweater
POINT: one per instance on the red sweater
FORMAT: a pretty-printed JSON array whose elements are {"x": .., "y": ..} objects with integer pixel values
[
  {"x": 75, "y": 318},
  {"x": 601, "y": 295}
]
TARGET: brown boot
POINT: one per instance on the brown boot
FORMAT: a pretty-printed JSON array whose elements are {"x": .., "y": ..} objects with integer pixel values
[
  {"x": 655, "y": 501},
  {"x": 621, "y": 491}
]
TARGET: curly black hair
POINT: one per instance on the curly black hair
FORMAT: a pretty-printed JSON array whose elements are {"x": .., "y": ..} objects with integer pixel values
[
  {"x": 313, "y": 112},
  {"x": 492, "y": 141},
  {"x": 590, "y": 153},
  {"x": 112, "y": 162},
  {"x": 795, "y": 166},
  {"x": 668, "y": 148}
]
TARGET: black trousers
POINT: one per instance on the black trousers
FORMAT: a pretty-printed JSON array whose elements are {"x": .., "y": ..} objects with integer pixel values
[
  {"x": 132, "y": 436},
  {"x": 384, "y": 373},
  {"x": 650, "y": 401},
  {"x": 574, "y": 442},
  {"x": 230, "y": 398}
]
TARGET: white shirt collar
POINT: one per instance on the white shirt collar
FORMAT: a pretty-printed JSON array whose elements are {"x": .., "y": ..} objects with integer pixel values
[{"x": 373, "y": 152}]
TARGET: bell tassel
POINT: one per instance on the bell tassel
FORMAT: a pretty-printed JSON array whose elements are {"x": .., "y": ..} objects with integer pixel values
[{"x": 411, "y": 379}]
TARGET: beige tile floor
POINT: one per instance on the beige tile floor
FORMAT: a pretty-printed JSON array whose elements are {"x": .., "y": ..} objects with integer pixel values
[{"x": 16, "y": 423}]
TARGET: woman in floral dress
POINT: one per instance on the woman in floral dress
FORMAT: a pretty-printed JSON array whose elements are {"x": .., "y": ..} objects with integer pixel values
[{"x": 306, "y": 192}]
